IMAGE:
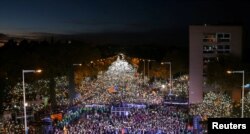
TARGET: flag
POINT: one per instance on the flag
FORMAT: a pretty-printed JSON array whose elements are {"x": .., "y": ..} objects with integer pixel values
[
  {"x": 111, "y": 89},
  {"x": 56, "y": 116},
  {"x": 247, "y": 86},
  {"x": 123, "y": 131},
  {"x": 116, "y": 87}
]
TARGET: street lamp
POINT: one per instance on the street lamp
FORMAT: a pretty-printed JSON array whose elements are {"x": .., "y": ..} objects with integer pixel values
[
  {"x": 242, "y": 91},
  {"x": 148, "y": 67},
  {"x": 170, "y": 75},
  {"x": 143, "y": 71},
  {"x": 24, "y": 97},
  {"x": 72, "y": 81},
  {"x": 77, "y": 64}
]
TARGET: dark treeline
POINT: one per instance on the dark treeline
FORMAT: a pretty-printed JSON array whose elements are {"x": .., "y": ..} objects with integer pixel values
[{"x": 55, "y": 56}]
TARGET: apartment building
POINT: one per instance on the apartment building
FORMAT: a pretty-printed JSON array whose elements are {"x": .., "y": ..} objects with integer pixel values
[{"x": 206, "y": 44}]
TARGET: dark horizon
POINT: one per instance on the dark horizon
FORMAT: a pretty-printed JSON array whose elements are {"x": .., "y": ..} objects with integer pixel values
[
  {"x": 137, "y": 22},
  {"x": 92, "y": 17},
  {"x": 156, "y": 37}
]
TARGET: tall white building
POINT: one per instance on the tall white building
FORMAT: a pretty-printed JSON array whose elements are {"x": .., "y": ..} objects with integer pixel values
[{"x": 206, "y": 43}]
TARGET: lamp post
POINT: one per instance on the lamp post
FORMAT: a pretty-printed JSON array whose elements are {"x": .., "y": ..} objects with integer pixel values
[
  {"x": 24, "y": 97},
  {"x": 148, "y": 67},
  {"x": 170, "y": 75},
  {"x": 72, "y": 82},
  {"x": 242, "y": 91},
  {"x": 77, "y": 64},
  {"x": 143, "y": 71}
]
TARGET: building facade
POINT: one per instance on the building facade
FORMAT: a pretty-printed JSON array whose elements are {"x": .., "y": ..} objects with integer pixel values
[{"x": 206, "y": 43}]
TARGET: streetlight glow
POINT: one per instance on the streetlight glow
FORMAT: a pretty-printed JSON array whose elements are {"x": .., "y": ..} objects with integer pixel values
[
  {"x": 78, "y": 64},
  {"x": 25, "y": 104},
  {"x": 148, "y": 67},
  {"x": 38, "y": 71},
  {"x": 32, "y": 71},
  {"x": 229, "y": 72},
  {"x": 170, "y": 75},
  {"x": 233, "y": 72},
  {"x": 163, "y": 63}
]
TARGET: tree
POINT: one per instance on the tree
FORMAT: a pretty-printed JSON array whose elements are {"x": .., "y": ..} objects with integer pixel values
[
  {"x": 10, "y": 44},
  {"x": 4, "y": 91},
  {"x": 247, "y": 105},
  {"x": 237, "y": 107},
  {"x": 214, "y": 105}
]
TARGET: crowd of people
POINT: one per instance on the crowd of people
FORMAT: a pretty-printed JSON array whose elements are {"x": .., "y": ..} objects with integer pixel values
[
  {"x": 120, "y": 83},
  {"x": 157, "y": 119}
]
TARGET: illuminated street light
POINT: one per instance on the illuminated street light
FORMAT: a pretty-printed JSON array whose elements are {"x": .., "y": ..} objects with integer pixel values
[
  {"x": 143, "y": 70},
  {"x": 148, "y": 67},
  {"x": 242, "y": 91},
  {"x": 71, "y": 77},
  {"x": 77, "y": 64},
  {"x": 24, "y": 97},
  {"x": 170, "y": 75}
]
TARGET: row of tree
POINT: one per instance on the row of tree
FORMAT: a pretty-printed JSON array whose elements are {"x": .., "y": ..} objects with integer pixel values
[{"x": 56, "y": 58}]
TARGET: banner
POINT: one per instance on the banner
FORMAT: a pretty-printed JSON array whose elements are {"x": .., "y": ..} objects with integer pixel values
[
  {"x": 112, "y": 90},
  {"x": 56, "y": 116}
]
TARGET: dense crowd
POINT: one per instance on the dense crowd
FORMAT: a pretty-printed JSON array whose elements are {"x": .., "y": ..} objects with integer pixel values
[
  {"x": 158, "y": 119},
  {"x": 120, "y": 83}
]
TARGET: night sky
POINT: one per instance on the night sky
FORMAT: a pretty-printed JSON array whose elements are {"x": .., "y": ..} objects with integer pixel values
[{"x": 100, "y": 16}]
